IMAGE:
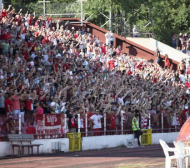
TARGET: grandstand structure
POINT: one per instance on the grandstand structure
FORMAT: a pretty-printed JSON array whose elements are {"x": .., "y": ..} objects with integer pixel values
[{"x": 130, "y": 47}]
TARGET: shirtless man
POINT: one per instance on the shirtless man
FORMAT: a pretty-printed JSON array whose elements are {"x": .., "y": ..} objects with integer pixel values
[{"x": 181, "y": 67}]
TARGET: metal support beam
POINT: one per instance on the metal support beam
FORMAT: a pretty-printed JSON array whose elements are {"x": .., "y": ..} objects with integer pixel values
[
  {"x": 81, "y": 12},
  {"x": 105, "y": 23},
  {"x": 1, "y": 3},
  {"x": 110, "y": 19},
  {"x": 44, "y": 6}
]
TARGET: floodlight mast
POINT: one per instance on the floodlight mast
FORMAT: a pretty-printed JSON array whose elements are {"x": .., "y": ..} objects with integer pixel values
[
  {"x": 1, "y": 4},
  {"x": 81, "y": 2},
  {"x": 44, "y": 6}
]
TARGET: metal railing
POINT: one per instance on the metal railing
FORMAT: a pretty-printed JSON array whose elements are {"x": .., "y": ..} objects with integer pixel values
[
  {"x": 140, "y": 34},
  {"x": 21, "y": 126}
]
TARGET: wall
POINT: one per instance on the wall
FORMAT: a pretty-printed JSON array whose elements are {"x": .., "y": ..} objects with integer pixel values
[
  {"x": 6, "y": 149},
  {"x": 91, "y": 143},
  {"x": 152, "y": 44}
]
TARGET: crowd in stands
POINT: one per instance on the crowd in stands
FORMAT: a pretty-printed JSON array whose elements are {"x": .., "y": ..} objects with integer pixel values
[
  {"x": 181, "y": 42},
  {"x": 47, "y": 68}
]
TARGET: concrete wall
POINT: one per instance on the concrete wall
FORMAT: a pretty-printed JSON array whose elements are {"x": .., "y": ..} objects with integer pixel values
[
  {"x": 6, "y": 149},
  {"x": 88, "y": 143},
  {"x": 152, "y": 44},
  {"x": 91, "y": 143}
]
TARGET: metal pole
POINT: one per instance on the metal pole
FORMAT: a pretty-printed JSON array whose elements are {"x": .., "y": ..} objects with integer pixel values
[
  {"x": 123, "y": 21},
  {"x": 149, "y": 121},
  {"x": 78, "y": 123},
  {"x": 110, "y": 19},
  {"x": 19, "y": 124},
  {"x": 86, "y": 125},
  {"x": 44, "y": 7},
  {"x": 81, "y": 13},
  {"x": 41, "y": 137},
  {"x": 1, "y": 4},
  {"x": 122, "y": 123},
  {"x": 162, "y": 121},
  {"x": 65, "y": 120},
  {"x": 104, "y": 123},
  {"x": 175, "y": 122}
]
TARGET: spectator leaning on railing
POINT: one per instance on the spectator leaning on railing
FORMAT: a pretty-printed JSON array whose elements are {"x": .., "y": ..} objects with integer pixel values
[
  {"x": 52, "y": 69},
  {"x": 181, "y": 42}
]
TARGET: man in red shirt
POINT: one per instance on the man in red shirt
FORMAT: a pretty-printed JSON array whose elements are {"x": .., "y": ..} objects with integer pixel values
[
  {"x": 8, "y": 104},
  {"x": 16, "y": 103},
  {"x": 31, "y": 129},
  {"x": 28, "y": 103},
  {"x": 111, "y": 64}
]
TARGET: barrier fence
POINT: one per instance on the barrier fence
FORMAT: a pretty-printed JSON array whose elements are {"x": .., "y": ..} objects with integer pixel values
[{"x": 49, "y": 126}]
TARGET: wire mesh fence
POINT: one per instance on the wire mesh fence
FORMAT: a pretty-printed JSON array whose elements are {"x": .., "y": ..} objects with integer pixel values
[{"x": 69, "y": 10}]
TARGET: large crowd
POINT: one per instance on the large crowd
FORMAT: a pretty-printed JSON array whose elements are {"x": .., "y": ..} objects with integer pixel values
[{"x": 47, "y": 68}]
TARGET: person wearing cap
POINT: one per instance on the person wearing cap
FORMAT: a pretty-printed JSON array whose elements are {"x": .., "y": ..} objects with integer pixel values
[
  {"x": 96, "y": 122},
  {"x": 135, "y": 128}
]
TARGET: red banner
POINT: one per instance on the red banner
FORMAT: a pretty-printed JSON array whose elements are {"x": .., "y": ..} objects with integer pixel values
[{"x": 48, "y": 124}]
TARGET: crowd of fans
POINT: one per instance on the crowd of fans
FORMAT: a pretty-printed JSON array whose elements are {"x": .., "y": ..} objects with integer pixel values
[
  {"x": 47, "y": 68},
  {"x": 181, "y": 42}
]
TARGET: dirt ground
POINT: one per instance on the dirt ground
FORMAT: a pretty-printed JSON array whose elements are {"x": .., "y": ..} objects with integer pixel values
[{"x": 121, "y": 157}]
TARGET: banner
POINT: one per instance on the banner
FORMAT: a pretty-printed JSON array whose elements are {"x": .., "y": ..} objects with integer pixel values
[{"x": 48, "y": 124}]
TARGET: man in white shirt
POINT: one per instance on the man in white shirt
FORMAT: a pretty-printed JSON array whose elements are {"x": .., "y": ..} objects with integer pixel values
[
  {"x": 111, "y": 38},
  {"x": 96, "y": 122},
  {"x": 107, "y": 36}
]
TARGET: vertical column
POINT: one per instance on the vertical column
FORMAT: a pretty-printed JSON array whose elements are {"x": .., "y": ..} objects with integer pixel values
[
  {"x": 44, "y": 133},
  {"x": 86, "y": 124},
  {"x": 1, "y": 4},
  {"x": 162, "y": 122},
  {"x": 175, "y": 122},
  {"x": 149, "y": 127},
  {"x": 81, "y": 12},
  {"x": 110, "y": 19},
  {"x": 104, "y": 123},
  {"x": 19, "y": 121},
  {"x": 122, "y": 123},
  {"x": 44, "y": 7},
  {"x": 78, "y": 123},
  {"x": 65, "y": 121}
]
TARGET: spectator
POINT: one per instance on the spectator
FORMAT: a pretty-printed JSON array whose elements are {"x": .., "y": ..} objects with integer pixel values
[
  {"x": 39, "y": 109},
  {"x": 108, "y": 37},
  {"x": 8, "y": 104},
  {"x": 112, "y": 38},
  {"x": 96, "y": 122},
  {"x": 16, "y": 103},
  {"x": 180, "y": 41},
  {"x": 71, "y": 122},
  {"x": 158, "y": 56},
  {"x": 174, "y": 41},
  {"x": 136, "y": 129},
  {"x": 135, "y": 31},
  {"x": 167, "y": 63},
  {"x": 2, "y": 104},
  {"x": 129, "y": 117},
  {"x": 31, "y": 129},
  {"x": 64, "y": 125}
]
